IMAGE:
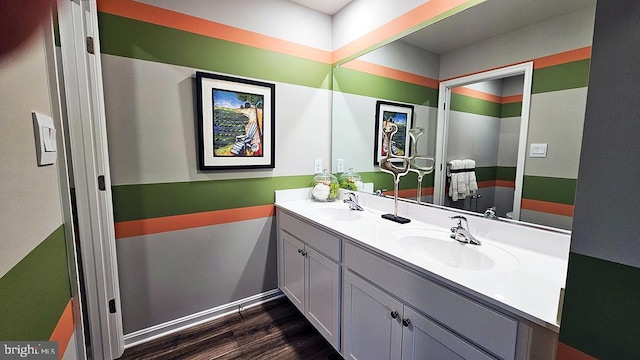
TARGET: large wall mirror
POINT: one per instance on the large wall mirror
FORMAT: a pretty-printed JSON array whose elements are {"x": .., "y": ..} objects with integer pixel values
[{"x": 522, "y": 134}]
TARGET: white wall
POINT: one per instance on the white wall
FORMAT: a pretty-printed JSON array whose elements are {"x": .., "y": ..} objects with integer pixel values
[
  {"x": 528, "y": 43},
  {"x": 30, "y": 208}
]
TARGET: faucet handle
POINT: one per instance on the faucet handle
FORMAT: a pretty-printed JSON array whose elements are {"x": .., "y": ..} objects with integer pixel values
[{"x": 460, "y": 219}]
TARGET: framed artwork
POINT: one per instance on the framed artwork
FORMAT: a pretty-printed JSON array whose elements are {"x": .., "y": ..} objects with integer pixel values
[
  {"x": 402, "y": 116},
  {"x": 236, "y": 123}
]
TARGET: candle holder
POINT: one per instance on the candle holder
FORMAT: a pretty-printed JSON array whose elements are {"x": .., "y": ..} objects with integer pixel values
[{"x": 397, "y": 166}]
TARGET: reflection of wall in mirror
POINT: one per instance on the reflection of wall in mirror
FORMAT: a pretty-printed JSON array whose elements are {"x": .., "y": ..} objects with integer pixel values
[
  {"x": 382, "y": 74},
  {"x": 560, "y": 49}
]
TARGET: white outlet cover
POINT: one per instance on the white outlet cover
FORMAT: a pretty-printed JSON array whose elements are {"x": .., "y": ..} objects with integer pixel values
[{"x": 538, "y": 151}]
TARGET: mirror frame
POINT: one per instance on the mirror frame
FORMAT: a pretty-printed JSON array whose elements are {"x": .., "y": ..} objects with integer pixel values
[{"x": 442, "y": 126}]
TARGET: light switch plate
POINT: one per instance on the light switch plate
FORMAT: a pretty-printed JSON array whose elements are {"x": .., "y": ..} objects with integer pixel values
[
  {"x": 45, "y": 131},
  {"x": 317, "y": 166},
  {"x": 538, "y": 151},
  {"x": 340, "y": 165}
]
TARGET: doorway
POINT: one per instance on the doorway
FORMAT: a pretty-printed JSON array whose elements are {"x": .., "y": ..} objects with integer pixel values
[{"x": 453, "y": 143}]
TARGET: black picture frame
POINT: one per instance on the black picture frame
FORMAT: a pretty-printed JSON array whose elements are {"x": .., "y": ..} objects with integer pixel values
[
  {"x": 402, "y": 115},
  {"x": 236, "y": 123}
]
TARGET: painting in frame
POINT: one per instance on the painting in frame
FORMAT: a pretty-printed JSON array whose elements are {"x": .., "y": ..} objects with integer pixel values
[
  {"x": 402, "y": 116},
  {"x": 236, "y": 123}
]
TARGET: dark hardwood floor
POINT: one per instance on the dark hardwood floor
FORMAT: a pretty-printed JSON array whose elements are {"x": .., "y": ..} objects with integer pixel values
[{"x": 275, "y": 330}]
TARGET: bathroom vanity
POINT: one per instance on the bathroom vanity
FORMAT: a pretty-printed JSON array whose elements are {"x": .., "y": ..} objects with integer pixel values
[{"x": 376, "y": 289}]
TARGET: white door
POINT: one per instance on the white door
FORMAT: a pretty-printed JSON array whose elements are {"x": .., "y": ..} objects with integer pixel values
[
  {"x": 292, "y": 261},
  {"x": 323, "y": 295},
  {"x": 372, "y": 322},
  {"x": 422, "y": 339},
  {"x": 82, "y": 71}
]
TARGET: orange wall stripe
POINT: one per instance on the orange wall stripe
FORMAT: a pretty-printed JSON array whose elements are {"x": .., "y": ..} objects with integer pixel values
[
  {"x": 461, "y": 90},
  {"x": 427, "y": 191},
  {"x": 396, "y": 26},
  {"x": 375, "y": 69},
  {"x": 566, "y": 352},
  {"x": 542, "y": 62},
  {"x": 547, "y": 207},
  {"x": 511, "y": 99},
  {"x": 176, "y": 20},
  {"x": 506, "y": 183},
  {"x": 131, "y": 228},
  {"x": 64, "y": 330},
  {"x": 563, "y": 57},
  {"x": 486, "y": 184},
  {"x": 411, "y": 193}
]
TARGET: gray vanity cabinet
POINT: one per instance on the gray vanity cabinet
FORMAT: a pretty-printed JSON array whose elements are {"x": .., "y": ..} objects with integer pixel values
[
  {"x": 309, "y": 274},
  {"x": 377, "y": 326},
  {"x": 372, "y": 328},
  {"x": 370, "y": 306}
]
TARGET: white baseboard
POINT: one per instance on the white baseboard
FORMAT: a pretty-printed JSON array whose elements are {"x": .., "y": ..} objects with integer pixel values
[{"x": 144, "y": 335}]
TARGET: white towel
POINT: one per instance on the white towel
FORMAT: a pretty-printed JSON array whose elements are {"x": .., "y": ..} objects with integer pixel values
[
  {"x": 458, "y": 184},
  {"x": 471, "y": 176}
]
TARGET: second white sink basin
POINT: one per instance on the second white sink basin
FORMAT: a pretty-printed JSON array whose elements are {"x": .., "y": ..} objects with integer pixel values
[{"x": 437, "y": 247}]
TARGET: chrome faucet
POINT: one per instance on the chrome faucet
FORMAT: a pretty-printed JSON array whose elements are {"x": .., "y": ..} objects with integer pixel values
[
  {"x": 380, "y": 192},
  {"x": 352, "y": 200},
  {"x": 461, "y": 233},
  {"x": 490, "y": 213}
]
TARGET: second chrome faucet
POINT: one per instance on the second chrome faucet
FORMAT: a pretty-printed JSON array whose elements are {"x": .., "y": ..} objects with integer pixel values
[{"x": 461, "y": 232}]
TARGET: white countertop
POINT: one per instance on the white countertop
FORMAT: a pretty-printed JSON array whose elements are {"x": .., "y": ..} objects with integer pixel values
[{"x": 530, "y": 264}]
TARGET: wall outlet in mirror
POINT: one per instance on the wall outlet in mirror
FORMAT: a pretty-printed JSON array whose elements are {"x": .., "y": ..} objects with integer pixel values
[{"x": 538, "y": 151}]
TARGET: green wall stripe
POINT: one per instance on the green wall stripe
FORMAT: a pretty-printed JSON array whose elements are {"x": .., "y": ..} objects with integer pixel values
[
  {"x": 35, "y": 292},
  {"x": 468, "y": 104},
  {"x": 557, "y": 190},
  {"x": 144, "y": 201},
  {"x": 485, "y": 173},
  {"x": 511, "y": 110},
  {"x": 570, "y": 75},
  {"x": 507, "y": 173},
  {"x": 600, "y": 314},
  {"x": 360, "y": 83},
  {"x": 135, "y": 39}
]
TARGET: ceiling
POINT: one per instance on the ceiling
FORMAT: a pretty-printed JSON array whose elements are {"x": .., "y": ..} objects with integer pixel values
[
  {"x": 329, "y": 7},
  {"x": 489, "y": 19}
]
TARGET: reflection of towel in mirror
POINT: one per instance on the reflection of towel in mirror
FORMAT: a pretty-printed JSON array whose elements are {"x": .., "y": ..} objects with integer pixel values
[
  {"x": 471, "y": 176},
  {"x": 458, "y": 184}
]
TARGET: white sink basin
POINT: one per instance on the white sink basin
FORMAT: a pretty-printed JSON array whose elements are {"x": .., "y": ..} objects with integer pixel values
[
  {"x": 437, "y": 247},
  {"x": 335, "y": 212}
]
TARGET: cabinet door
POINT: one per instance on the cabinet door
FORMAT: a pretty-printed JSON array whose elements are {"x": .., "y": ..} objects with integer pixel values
[
  {"x": 323, "y": 295},
  {"x": 372, "y": 322},
  {"x": 292, "y": 262},
  {"x": 422, "y": 339}
]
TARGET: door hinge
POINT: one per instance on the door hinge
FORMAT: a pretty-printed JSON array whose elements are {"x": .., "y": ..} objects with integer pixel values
[
  {"x": 112, "y": 306},
  {"x": 90, "y": 49},
  {"x": 101, "y": 185}
]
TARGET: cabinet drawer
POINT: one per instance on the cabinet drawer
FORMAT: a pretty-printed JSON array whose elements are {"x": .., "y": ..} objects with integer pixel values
[
  {"x": 316, "y": 238},
  {"x": 486, "y": 327}
]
